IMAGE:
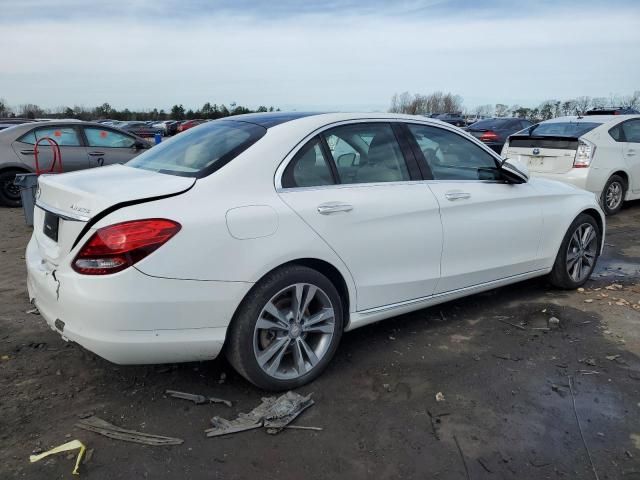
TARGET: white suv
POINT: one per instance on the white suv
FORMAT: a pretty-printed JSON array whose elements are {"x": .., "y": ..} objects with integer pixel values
[{"x": 599, "y": 153}]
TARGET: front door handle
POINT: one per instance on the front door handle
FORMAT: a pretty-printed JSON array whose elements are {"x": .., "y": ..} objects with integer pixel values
[
  {"x": 334, "y": 207},
  {"x": 453, "y": 196},
  {"x": 96, "y": 154},
  {"x": 631, "y": 153}
]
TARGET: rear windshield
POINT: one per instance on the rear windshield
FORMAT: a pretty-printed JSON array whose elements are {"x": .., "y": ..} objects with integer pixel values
[
  {"x": 201, "y": 150},
  {"x": 489, "y": 124},
  {"x": 560, "y": 129}
]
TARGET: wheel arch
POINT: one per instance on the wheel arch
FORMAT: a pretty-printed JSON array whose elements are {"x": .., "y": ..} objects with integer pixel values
[{"x": 597, "y": 216}]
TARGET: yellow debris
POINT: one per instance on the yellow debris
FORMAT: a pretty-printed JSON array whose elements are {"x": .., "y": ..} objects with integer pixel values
[{"x": 72, "y": 445}]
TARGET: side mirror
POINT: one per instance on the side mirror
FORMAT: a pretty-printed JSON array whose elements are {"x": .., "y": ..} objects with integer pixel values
[
  {"x": 140, "y": 145},
  {"x": 514, "y": 170}
]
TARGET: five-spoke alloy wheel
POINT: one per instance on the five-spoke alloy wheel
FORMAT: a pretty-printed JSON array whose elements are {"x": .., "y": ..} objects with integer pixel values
[
  {"x": 613, "y": 195},
  {"x": 287, "y": 329}
]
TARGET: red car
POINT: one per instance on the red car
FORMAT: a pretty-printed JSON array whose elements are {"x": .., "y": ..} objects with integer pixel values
[{"x": 187, "y": 124}]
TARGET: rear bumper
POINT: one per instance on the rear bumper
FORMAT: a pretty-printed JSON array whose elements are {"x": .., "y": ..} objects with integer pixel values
[
  {"x": 132, "y": 318},
  {"x": 576, "y": 176}
]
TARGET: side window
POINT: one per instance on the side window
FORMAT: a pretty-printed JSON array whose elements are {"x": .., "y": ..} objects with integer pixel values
[
  {"x": 631, "y": 131},
  {"x": 453, "y": 157},
  {"x": 616, "y": 133},
  {"x": 64, "y": 136},
  {"x": 366, "y": 153},
  {"x": 309, "y": 167},
  {"x": 98, "y": 137}
]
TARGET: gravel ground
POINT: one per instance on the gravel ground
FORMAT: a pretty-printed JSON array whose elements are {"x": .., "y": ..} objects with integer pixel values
[{"x": 508, "y": 408}]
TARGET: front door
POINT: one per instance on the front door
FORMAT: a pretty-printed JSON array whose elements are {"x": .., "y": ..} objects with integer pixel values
[
  {"x": 491, "y": 229},
  {"x": 106, "y": 146},
  {"x": 354, "y": 187}
]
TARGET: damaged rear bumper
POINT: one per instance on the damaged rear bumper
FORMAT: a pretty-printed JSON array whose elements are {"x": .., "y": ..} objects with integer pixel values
[{"x": 130, "y": 317}]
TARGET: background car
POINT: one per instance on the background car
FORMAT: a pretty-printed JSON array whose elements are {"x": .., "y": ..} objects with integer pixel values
[
  {"x": 612, "y": 111},
  {"x": 600, "y": 154},
  {"x": 10, "y": 122},
  {"x": 333, "y": 228},
  {"x": 452, "y": 118},
  {"x": 82, "y": 145},
  {"x": 494, "y": 131},
  {"x": 140, "y": 129},
  {"x": 187, "y": 124}
]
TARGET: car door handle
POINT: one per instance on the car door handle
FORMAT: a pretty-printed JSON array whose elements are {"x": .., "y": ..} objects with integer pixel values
[
  {"x": 27, "y": 152},
  {"x": 631, "y": 153},
  {"x": 96, "y": 154},
  {"x": 329, "y": 208},
  {"x": 453, "y": 196}
]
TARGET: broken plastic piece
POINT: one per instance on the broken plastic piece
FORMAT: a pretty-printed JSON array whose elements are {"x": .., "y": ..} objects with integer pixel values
[
  {"x": 97, "y": 425},
  {"x": 72, "y": 445},
  {"x": 197, "y": 399},
  {"x": 273, "y": 413}
]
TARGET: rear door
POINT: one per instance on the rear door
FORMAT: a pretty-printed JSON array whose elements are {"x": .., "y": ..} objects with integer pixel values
[
  {"x": 356, "y": 188},
  {"x": 106, "y": 146},
  {"x": 491, "y": 229},
  {"x": 72, "y": 150},
  {"x": 631, "y": 130}
]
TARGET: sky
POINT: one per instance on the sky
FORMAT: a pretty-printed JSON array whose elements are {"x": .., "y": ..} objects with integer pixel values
[{"x": 314, "y": 55}]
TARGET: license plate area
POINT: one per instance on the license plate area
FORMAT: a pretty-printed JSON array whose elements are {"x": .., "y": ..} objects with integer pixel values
[{"x": 50, "y": 226}]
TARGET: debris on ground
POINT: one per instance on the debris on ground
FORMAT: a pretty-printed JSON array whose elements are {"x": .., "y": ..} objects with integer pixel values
[
  {"x": 506, "y": 357},
  {"x": 588, "y": 361},
  {"x": 439, "y": 397},
  {"x": 97, "y": 425},
  {"x": 520, "y": 327},
  {"x": 614, "y": 286},
  {"x": 33, "y": 311},
  {"x": 223, "y": 377},
  {"x": 612, "y": 357},
  {"x": 197, "y": 399},
  {"x": 273, "y": 413},
  {"x": 554, "y": 322},
  {"x": 589, "y": 300},
  {"x": 72, "y": 445}
]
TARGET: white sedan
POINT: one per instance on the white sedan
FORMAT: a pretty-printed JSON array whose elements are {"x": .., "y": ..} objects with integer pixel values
[
  {"x": 600, "y": 153},
  {"x": 266, "y": 236}
]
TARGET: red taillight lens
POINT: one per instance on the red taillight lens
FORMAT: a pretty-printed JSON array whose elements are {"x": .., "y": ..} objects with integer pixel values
[
  {"x": 116, "y": 247},
  {"x": 488, "y": 136}
]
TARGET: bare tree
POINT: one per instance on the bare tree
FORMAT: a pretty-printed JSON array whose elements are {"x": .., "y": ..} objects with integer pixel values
[
  {"x": 631, "y": 101},
  {"x": 484, "y": 110},
  {"x": 582, "y": 104},
  {"x": 502, "y": 110}
]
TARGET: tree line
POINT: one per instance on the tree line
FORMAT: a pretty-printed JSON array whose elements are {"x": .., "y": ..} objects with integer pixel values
[
  {"x": 106, "y": 111},
  {"x": 439, "y": 102}
]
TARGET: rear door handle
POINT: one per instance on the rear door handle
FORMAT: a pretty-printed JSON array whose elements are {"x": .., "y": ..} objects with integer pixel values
[
  {"x": 631, "y": 153},
  {"x": 453, "y": 196},
  {"x": 96, "y": 154},
  {"x": 27, "y": 152},
  {"x": 334, "y": 207}
]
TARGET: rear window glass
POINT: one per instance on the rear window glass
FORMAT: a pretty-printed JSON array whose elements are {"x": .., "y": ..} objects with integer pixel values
[
  {"x": 200, "y": 151},
  {"x": 489, "y": 124},
  {"x": 561, "y": 129}
]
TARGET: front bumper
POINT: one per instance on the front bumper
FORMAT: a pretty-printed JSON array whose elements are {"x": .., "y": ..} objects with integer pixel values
[{"x": 132, "y": 318}]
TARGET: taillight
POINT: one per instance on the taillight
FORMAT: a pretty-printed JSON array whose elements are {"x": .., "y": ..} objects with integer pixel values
[
  {"x": 489, "y": 136},
  {"x": 584, "y": 154},
  {"x": 116, "y": 247}
]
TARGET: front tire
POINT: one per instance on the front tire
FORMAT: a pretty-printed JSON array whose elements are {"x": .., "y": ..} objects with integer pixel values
[
  {"x": 9, "y": 193},
  {"x": 613, "y": 195},
  {"x": 287, "y": 329},
  {"x": 578, "y": 253}
]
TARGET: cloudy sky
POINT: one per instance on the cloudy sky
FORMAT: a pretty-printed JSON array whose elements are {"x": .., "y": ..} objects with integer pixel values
[{"x": 309, "y": 54}]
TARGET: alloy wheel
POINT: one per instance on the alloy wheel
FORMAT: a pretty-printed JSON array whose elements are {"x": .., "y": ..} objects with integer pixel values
[
  {"x": 581, "y": 252},
  {"x": 11, "y": 190},
  {"x": 294, "y": 331},
  {"x": 613, "y": 195}
]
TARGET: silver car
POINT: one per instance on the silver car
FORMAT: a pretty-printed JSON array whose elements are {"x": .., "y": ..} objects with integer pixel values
[{"x": 82, "y": 145}]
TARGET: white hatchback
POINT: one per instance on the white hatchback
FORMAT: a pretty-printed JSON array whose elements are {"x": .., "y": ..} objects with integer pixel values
[
  {"x": 599, "y": 153},
  {"x": 266, "y": 236}
]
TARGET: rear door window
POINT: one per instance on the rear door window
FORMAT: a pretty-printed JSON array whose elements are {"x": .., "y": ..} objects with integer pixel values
[
  {"x": 63, "y": 136},
  {"x": 631, "y": 131},
  {"x": 366, "y": 153},
  {"x": 309, "y": 167}
]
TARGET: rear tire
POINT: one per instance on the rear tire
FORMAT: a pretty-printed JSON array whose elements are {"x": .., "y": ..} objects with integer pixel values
[
  {"x": 613, "y": 195},
  {"x": 9, "y": 193},
  {"x": 578, "y": 253},
  {"x": 287, "y": 329}
]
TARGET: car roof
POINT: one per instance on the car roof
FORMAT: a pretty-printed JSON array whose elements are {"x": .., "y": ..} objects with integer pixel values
[{"x": 591, "y": 118}]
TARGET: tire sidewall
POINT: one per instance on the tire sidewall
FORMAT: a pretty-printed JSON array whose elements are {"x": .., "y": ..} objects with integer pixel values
[
  {"x": 559, "y": 275},
  {"x": 240, "y": 351},
  {"x": 623, "y": 185}
]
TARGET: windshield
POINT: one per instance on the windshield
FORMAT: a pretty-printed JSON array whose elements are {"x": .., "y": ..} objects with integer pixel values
[
  {"x": 560, "y": 129},
  {"x": 201, "y": 150}
]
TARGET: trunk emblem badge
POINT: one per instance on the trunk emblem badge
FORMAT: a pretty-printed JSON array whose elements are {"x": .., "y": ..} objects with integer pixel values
[{"x": 536, "y": 151}]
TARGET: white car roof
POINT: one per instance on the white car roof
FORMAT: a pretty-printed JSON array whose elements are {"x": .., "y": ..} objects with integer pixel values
[{"x": 591, "y": 119}]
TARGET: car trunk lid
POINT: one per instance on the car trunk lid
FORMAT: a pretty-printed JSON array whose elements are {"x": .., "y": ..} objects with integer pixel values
[
  {"x": 543, "y": 154},
  {"x": 67, "y": 202}
]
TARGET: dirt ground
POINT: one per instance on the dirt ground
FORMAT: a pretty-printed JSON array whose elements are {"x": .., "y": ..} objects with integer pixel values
[{"x": 508, "y": 410}]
